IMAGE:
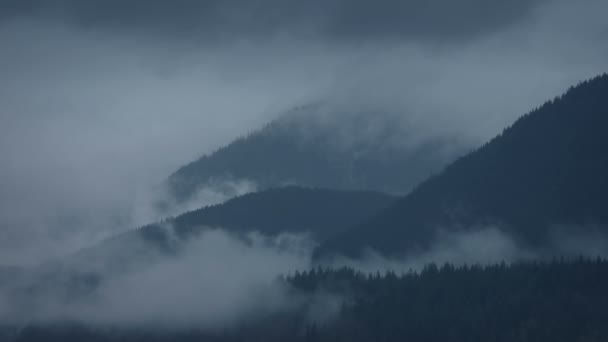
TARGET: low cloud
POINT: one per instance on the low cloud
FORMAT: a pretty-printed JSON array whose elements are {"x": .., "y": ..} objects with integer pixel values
[
  {"x": 590, "y": 240},
  {"x": 157, "y": 203},
  {"x": 215, "y": 280},
  {"x": 484, "y": 245},
  {"x": 219, "y": 280},
  {"x": 488, "y": 245}
]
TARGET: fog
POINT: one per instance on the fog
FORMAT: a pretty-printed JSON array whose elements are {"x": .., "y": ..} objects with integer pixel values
[
  {"x": 89, "y": 128},
  {"x": 220, "y": 280},
  {"x": 101, "y": 101},
  {"x": 216, "y": 281},
  {"x": 156, "y": 203},
  {"x": 484, "y": 245},
  {"x": 213, "y": 282}
]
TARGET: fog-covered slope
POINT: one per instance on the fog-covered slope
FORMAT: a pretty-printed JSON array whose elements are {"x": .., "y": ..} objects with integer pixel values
[
  {"x": 255, "y": 236},
  {"x": 544, "y": 176},
  {"x": 324, "y": 146},
  {"x": 317, "y": 213}
]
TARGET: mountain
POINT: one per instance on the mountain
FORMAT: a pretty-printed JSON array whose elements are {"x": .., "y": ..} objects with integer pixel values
[
  {"x": 291, "y": 209},
  {"x": 317, "y": 212},
  {"x": 321, "y": 213},
  {"x": 323, "y": 147},
  {"x": 546, "y": 174},
  {"x": 560, "y": 301}
]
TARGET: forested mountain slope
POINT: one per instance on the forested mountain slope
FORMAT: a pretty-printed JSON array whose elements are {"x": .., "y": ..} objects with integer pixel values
[
  {"x": 548, "y": 171},
  {"x": 319, "y": 213},
  {"x": 291, "y": 209},
  {"x": 287, "y": 218},
  {"x": 318, "y": 146}
]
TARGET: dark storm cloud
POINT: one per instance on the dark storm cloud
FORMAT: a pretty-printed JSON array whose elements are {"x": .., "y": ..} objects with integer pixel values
[{"x": 349, "y": 20}]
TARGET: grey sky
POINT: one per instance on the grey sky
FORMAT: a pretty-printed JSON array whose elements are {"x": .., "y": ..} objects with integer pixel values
[
  {"x": 100, "y": 100},
  {"x": 321, "y": 19}
]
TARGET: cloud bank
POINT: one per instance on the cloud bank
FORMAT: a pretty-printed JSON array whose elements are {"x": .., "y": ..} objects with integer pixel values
[
  {"x": 101, "y": 100},
  {"x": 215, "y": 281},
  {"x": 219, "y": 280}
]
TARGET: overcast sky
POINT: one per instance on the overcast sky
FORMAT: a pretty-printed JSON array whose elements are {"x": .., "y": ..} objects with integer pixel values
[{"x": 100, "y": 100}]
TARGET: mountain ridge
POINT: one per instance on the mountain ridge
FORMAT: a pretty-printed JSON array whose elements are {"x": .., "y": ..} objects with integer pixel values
[
  {"x": 321, "y": 147},
  {"x": 546, "y": 169}
]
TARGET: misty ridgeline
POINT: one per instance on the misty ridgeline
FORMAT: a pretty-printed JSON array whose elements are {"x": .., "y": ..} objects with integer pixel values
[
  {"x": 506, "y": 243},
  {"x": 330, "y": 170}
]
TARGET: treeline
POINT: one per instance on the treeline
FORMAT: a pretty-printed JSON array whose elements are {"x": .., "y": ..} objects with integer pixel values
[
  {"x": 553, "y": 301},
  {"x": 561, "y": 300}
]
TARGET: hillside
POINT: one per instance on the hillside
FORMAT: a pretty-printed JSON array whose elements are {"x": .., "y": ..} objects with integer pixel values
[
  {"x": 545, "y": 174},
  {"x": 320, "y": 147},
  {"x": 292, "y": 209},
  {"x": 556, "y": 301},
  {"x": 319, "y": 212}
]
